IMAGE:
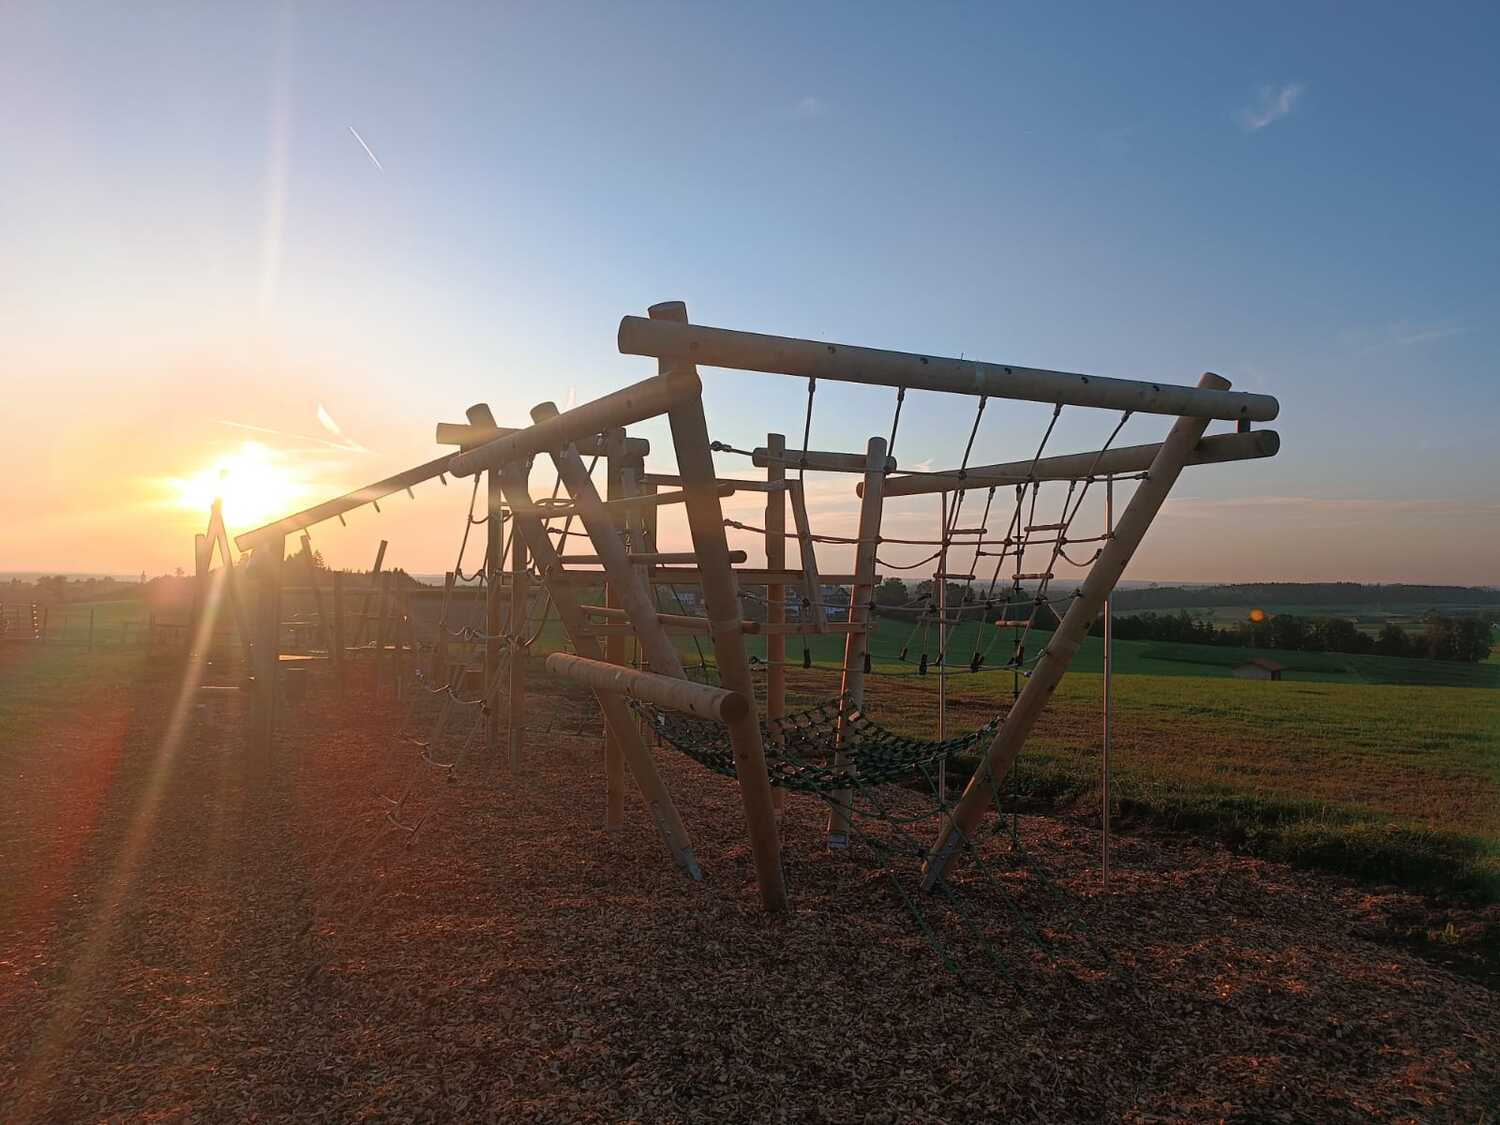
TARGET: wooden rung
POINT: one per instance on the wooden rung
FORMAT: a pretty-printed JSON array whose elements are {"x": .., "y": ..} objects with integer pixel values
[
  {"x": 969, "y": 531},
  {"x": 564, "y": 508},
  {"x": 1038, "y": 577},
  {"x": 1017, "y": 623},
  {"x": 674, "y": 620},
  {"x": 954, "y": 577},
  {"x": 657, "y": 558},
  {"x": 1045, "y": 527}
]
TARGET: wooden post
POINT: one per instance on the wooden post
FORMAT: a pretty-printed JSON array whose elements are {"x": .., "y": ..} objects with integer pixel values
[
  {"x": 338, "y": 630},
  {"x": 217, "y": 534},
  {"x": 494, "y": 566},
  {"x": 1065, "y": 641},
  {"x": 516, "y": 627},
  {"x": 857, "y": 643},
  {"x": 722, "y": 599},
  {"x": 565, "y": 599},
  {"x": 776, "y": 594},
  {"x": 614, "y": 646}
]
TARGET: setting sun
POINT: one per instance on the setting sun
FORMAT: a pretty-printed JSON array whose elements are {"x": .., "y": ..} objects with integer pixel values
[{"x": 255, "y": 484}]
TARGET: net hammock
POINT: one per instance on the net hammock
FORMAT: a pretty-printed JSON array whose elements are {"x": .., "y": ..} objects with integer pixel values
[{"x": 800, "y": 747}]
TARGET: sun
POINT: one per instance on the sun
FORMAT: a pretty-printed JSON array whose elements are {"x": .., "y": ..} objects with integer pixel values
[{"x": 254, "y": 482}]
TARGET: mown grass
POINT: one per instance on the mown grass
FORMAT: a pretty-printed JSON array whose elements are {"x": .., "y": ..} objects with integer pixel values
[{"x": 1380, "y": 782}]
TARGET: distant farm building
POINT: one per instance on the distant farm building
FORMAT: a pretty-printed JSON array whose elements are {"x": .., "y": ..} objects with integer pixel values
[{"x": 1261, "y": 668}]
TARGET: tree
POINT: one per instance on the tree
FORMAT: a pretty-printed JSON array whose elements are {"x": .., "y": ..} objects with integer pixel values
[{"x": 891, "y": 592}]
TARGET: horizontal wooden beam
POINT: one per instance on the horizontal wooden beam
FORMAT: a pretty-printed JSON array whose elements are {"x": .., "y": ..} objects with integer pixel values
[
  {"x": 751, "y": 351},
  {"x": 816, "y": 460},
  {"x": 646, "y": 399},
  {"x": 665, "y": 691},
  {"x": 1075, "y": 466},
  {"x": 731, "y": 483}
]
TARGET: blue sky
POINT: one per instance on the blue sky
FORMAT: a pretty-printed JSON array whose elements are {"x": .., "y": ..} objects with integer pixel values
[{"x": 1300, "y": 198}]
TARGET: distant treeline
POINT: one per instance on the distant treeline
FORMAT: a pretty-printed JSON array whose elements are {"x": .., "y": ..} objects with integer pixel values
[
  {"x": 1437, "y": 637},
  {"x": 1301, "y": 593}
]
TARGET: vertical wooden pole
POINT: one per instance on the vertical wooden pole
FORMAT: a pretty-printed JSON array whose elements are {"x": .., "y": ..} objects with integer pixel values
[
  {"x": 857, "y": 643},
  {"x": 516, "y": 627},
  {"x": 614, "y": 647},
  {"x": 338, "y": 631},
  {"x": 616, "y": 713},
  {"x": 494, "y": 564},
  {"x": 1149, "y": 496},
  {"x": 721, "y": 596},
  {"x": 776, "y": 595}
]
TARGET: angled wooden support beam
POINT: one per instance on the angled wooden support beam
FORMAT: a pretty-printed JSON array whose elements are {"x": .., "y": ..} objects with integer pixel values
[
  {"x": 332, "y": 509},
  {"x": 721, "y": 597},
  {"x": 857, "y": 643},
  {"x": 217, "y": 534},
  {"x": 470, "y": 435},
  {"x": 978, "y": 796},
  {"x": 624, "y": 583},
  {"x": 676, "y": 344},
  {"x": 815, "y": 460},
  {"x": 635, "y": 403},
  {"x": 619, "y": 717},
  {"x": 700, "y": 700},
  {"x": 1076, "y": 466}
]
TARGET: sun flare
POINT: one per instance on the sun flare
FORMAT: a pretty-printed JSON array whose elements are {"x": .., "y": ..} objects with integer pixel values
[{"x": 255, "y": 483}]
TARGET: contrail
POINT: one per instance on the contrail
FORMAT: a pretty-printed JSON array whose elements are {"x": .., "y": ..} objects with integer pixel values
[
  {"x": 346, "y": 446},
  {"x": 375, "y": 160}
]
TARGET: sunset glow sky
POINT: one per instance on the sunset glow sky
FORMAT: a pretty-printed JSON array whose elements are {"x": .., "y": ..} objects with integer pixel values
[{"x": 265, "y": 249}]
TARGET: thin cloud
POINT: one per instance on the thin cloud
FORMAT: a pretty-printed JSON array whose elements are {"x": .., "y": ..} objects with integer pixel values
[
  {"x": 375, "y": 160},
  {"x": 1404, "y": 334},
  {"x": 1271, "y": 104},
  {"x": 810, "y": 106}
]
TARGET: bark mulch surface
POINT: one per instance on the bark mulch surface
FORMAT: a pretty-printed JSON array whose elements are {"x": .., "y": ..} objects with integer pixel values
[{"x": 185, "y": 934}]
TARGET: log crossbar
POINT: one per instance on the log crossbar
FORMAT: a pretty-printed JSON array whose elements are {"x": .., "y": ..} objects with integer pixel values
[
  {"x": 673, "y": 342},
  {"x": 1075, "y": 466},
  {"x": 690, "y": 698},
  {"x": 816, "y": 460}
]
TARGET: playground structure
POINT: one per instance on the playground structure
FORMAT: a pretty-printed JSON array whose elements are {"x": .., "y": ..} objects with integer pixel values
[{"x": 834, "y": 749}]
